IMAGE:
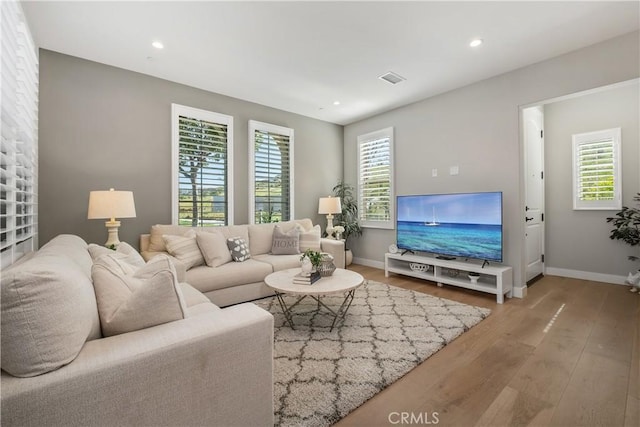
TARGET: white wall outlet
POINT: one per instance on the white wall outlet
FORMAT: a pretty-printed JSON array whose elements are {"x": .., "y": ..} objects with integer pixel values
[
  {"x": 434, "y": 172},
  {"x": 453, "y": 170}
]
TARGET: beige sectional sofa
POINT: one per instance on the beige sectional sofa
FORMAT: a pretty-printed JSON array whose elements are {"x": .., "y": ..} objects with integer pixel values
[
  {"x": 210, "y": 367},
  {"x": 235, "y": 282}
]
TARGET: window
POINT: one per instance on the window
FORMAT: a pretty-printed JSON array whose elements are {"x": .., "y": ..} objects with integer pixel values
[
  {"x": 19, "y": 133},
  {"x": 596, "y": 170},
  {"x": 375, "y": 179},
  {"x": 270, "y": 173},
  {"x": 202, "y": 167}
]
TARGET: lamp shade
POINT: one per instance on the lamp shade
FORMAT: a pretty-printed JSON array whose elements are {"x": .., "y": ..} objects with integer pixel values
[
  {"x": 111, "y": 204},
  {"x": 329, "y": 205}
]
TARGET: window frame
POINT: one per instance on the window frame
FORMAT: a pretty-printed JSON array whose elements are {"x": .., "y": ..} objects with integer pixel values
[
  {"x": 579, "y": 139},
  {"x": 254, "y": 126},
  {"x": 19, "y": 139},
  {"x": 386, "y": 133},
  {"x": 178, "y": 110}
]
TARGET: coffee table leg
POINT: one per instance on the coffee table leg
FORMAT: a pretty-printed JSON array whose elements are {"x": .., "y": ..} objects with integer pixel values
[
  {"x": 285, "y": 310},
  {"x": 341, "y": 311}
]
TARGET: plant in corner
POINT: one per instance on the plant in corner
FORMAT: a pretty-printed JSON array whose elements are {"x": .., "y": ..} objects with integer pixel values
[
  {"x": 348, "y": 218},
  {"x": 626, "y": 227}
]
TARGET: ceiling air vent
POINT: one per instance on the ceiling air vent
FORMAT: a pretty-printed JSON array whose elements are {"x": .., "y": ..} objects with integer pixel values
[{"x": 392, "y": 78}]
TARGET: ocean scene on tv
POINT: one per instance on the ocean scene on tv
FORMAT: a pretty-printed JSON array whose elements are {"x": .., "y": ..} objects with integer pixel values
[{"x": 465, "y": 225}]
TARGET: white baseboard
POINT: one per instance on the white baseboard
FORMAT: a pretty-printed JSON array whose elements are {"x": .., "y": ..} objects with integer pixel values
[
  {"x": 586, "y": 275},
  {"x": 369, "y": 262}
]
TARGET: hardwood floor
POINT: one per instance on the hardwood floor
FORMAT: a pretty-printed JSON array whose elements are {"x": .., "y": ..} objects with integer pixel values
[{"x": 566, "y": 355}]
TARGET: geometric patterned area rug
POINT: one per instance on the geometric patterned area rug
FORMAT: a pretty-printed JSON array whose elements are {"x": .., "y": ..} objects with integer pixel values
[{"x": 321, "y": 376}]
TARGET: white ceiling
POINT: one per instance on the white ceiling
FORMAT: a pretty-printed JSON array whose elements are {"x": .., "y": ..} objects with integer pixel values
[{"x": 303, "y": 56}]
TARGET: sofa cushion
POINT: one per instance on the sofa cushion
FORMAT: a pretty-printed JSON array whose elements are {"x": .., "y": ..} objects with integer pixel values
[
  {"x": 48, "y": 313},
  {"x": 156, "y": 241},
  {"x": 213, "y": 246},
  {"x": 285, "y": 243},
  {"x": 207, "y": 279},
  {"x": 310, "y": 239},
  {"x": 147, "y": 298},
  {"x": 184, "y": 248},
  {"x": 239, "y": 249},
  {"x": 260, "y": 238},
  {"x": 125, "y": 260},
  {"x": 280, "y": 262},
  {"x": 71, "y": 247}
]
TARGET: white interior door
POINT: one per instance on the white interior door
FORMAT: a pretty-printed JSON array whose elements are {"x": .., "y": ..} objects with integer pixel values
[{"x": 534, "y": 191}]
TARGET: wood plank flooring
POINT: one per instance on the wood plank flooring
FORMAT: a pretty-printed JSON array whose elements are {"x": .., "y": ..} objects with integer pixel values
[{"x": 566, "y": 355}]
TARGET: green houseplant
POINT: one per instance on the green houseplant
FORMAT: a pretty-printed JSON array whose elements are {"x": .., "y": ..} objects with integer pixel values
[
  {"x": 626, "y": 226},
  {"x": 348, "y": 218}
]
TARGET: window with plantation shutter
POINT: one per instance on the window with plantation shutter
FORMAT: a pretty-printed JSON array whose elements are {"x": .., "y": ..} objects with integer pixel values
[
  {"x": 376, "y": 206},
  {"x": 202, "y": 147},
  {"x": 596, "y": 170},
  {"x": 19, "y": 133},
  {"x": 270, "y": 173}
]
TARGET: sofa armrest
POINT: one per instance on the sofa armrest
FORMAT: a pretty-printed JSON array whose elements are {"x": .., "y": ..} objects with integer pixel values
[
  {"x": 335, "y": 248},
  {"x": 144, "y": 242},
  {"x": 203, "y": 370}
]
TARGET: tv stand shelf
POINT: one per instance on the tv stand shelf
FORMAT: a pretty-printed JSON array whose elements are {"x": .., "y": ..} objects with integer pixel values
[{"x": 497, "y": 280}]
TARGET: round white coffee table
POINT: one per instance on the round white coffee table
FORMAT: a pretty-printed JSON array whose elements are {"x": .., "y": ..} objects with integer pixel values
[{"x": 340, "y": 282}]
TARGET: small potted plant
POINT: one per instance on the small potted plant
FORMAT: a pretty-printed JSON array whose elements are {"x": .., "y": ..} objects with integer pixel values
[{"x": 311, "y": 260}]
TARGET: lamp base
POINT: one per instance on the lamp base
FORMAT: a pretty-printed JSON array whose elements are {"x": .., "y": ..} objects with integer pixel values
[
  {"x": 112, "y": 228},
  {"x": 330, "y": 227}
]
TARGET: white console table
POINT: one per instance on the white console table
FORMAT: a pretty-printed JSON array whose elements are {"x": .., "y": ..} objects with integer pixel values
[{"x": 497, "y": 280}]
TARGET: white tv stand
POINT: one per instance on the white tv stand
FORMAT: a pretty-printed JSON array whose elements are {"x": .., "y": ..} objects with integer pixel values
[{"x": 497, "y": 280}]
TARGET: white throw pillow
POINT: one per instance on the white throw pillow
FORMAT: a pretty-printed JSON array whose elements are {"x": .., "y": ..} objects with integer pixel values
[
  {"x": 147, "y": 298},
  {"x": 310, "y": 239},
  {"x": 213, "y": 246},
  {"x": 185, "y": 248}
]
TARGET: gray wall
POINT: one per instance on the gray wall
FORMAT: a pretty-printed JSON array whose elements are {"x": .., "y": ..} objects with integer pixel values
[
  {"x": 579, "y": 240},
  {"x": 477, "y": 128},
  {"x": 102, "y": 127}
]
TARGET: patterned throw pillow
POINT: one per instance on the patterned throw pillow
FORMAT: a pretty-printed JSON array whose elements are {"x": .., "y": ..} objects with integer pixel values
[
  {"x": 185, "y": 248},
  {"x": 309, "y": 239},
  {"x": 239, "y": 249},
  {"x": 285, "y": 243}
]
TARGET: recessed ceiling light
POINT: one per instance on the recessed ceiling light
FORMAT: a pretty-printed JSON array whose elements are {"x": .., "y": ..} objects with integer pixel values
[
  {"x": 475, "y": 43},
  {"x": 157, "y": 45},
  {"x": 336, "y": 102}
]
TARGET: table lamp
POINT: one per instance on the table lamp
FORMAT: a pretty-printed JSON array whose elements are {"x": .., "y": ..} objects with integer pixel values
[
  {"x": 111, "y": 204},
  {"x": 329, "y": 206}
]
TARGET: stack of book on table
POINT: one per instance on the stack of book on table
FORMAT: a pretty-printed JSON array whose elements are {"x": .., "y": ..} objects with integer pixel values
[{"x": 308, "y": 279}]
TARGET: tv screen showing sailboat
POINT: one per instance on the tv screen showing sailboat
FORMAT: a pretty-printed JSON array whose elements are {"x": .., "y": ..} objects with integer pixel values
[{"x": 466, "y": 225}]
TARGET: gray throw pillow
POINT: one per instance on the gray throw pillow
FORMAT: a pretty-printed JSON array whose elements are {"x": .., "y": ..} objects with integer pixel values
[
  {"x": 239, "y": 249},
  {"x": 285, "y": 243}
]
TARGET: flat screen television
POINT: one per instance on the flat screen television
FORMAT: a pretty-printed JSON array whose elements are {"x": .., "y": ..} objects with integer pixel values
[{"x": 465, "y": 225}]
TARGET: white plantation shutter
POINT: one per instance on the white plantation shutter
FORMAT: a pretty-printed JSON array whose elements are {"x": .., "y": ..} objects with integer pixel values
[
  {"x": 19, "y": 133},
  {"x": 202, "y": 147},
  {"x": 271, "y": 173},
  {"x": 596, "y": 170},
  {"x": 375, "y": 179}
]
